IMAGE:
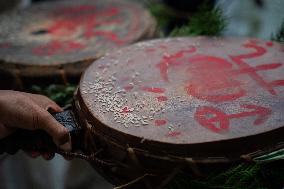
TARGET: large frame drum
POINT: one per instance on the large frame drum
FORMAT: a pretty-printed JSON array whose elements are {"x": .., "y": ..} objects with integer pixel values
[
  {"x": 152, "y": 108},
  {"x": 185, "y": 102},
  {"x": 56, "y": 41}
]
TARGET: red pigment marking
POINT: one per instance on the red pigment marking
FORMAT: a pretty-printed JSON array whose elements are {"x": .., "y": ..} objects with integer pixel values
[
  {"x": 128, "y": 87},
  {"x": 154, "y": 89},
  {"x": 259, "y": 51},
  {"x": 269, "y": 43},
  {"x": 162, "y": 98},
  {"x": 217, "y": 121},
  {"x": 277, "y": 83},
  {"x": 57, "y": 47},
  {"x": 173, "y": 134},
  {"x": 125, "y": 110},
  {"x": 172, "y": 60},
  {"x": 259, "y": 68},
  {"x": 224, "y": 84},
  {"x": 69, "y": 20},
  {"x": 160, "y": 122},
  {"x": 201, "y": 69}
]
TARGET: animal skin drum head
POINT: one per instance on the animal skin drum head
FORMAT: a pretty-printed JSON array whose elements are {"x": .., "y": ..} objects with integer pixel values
[
  {"x": 188, "y": 90},
  {"x": 70, "y": 31}
]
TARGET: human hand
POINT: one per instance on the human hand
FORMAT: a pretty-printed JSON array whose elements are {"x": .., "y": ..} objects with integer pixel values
[{"x": 30, "y": 111}]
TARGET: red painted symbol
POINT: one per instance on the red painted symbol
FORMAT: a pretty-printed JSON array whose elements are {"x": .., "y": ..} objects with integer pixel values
[
  {"x": 224, "y": 84},
  {"x": 173, "y": 134},
  {"x": 172, "y": 60},
  {"x": 251, "y": 71},
  {"x": 162, "y": 98},
  {"x": 269, "y": 43},
  {"x": 87, "y": 18},
  {"x": 211, "y": 79},
  {"x": 160, "y": 122},
  {"x": 57, "y": 47},
  {"x": 126, "y": 109},
  {"x": 128, "y": 87},
  {"x": 153, "y": 89},
  {"x": 217, "y": 121},
  {"x": 87, "y": 21}
]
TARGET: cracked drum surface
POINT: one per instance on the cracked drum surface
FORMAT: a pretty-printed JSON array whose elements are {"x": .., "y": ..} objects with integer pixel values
[{"x": 68, "y": 35}]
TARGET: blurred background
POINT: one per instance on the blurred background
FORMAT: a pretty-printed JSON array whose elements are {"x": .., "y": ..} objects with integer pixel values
[{"x": 253, "y": 18}]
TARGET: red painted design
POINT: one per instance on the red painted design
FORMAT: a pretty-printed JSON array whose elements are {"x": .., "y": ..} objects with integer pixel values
[
  {"x": 172, "y": 60},
  {"x": 125, "y": 109},
  {"x": 154, "y": 89},
  {"x": 217, "y": 121},
  {"x": 173, "y": 134},
  {"x": 90, "y": 20},
  {"x": 269, "y": 43},
  {"x": 219, "y": 72},
  {"x": 277, "y": 83},
  {"x": 216, "y": 79},
  {"x": 251, "y": 71},
  {"x": 160, "y": 122},
  {"x": 128, "y": 87},
  {"x": 86, "y": 17},
  {"x": 57, "y": 47},
  {"x": 224, "y": 84},
  {"x": 162, "y": 98}
]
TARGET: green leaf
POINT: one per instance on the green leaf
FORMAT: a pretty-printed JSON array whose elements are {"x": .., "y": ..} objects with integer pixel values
[
  {"x": 61, "y": 94},
  {"x": 279, "y": 36},
  {"x": 273, "y": 156},
  {"x": 204, "y": 22}
]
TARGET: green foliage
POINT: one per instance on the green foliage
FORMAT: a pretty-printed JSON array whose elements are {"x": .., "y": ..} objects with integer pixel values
[
  {"x": 61, "y": 94},
  {"x": 280, "y": 35},
  {"x": 206, "y": 21},
  {"x": 163, "y": 14},
  {"x": 238, "y": 177}
]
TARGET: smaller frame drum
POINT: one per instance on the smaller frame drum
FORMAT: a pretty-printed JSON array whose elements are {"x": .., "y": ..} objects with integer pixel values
[
  {"x": 62, "y": 38},
  {"x": 168, "y": 103}
]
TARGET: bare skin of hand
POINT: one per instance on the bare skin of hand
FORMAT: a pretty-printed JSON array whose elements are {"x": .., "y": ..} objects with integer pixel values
[{"x": 31, "y": 111}]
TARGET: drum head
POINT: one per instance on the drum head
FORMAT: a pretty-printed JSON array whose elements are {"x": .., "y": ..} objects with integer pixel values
[
  {"x": 69, "y": 31},
  {"x": 201, "y": 96}
]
